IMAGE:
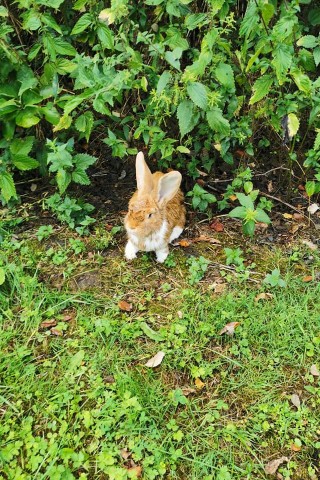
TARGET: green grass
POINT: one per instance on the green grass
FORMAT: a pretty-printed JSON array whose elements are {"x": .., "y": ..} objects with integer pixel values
[{"x": 70, "y": 404}]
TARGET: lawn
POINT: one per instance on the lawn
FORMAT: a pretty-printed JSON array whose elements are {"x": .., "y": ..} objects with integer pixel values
[{"x": 78, "y": 325}]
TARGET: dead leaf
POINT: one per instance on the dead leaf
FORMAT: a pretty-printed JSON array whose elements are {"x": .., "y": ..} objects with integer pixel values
[
  {"x": 287, "y": 215},
  {"x": 217, "y": 226},
  {"x": 125, "y": 454},
  {"x": 309, "y": 244},
  {"x": 180, "y": 314},
  {"x": 307, "y": 278},
  {"x": 201, "y": 182},
  {"x": 313, "y": 208},
  {"x": 206, "y": 238},
  {"x": 137, "y": 470},
  {"x": 199, "y": 384},
  {"x": 298, "y": 217},
  {"x": 219, "y": 287},
  {"x": 314, "y": 371},
  {"x": 184, "y": 243},
  {"x": 33, "y": 187},
  {"x": 187, "y": 391},
  {"x": 201, "y": 173},
  {"x": 273, "y": 466},
  {"x": 233, "y": 198},
  {"x": 295, "y": 400},
  {"x": 295, "y": 448},
  {"x": 270, "y": 186},
  {"x": 294, "y": 228},
  {"x": 263, "y": 296},
  {"x": 229, "y": 328},
  {"x": 109, "y": 379},
  {"x": 156, "y": 360},
  {"x": 56, "y": 332},
  {"x": 108, "y": 227},
  {"x": 125, "y": 306},
  {"x": 240, "y": 153},
  {"x": 48, "y": 323},
  {"x": 301, "y": 188}
]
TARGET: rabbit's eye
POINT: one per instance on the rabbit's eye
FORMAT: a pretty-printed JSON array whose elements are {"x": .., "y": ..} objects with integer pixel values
[{"x": 150, "y": 215}]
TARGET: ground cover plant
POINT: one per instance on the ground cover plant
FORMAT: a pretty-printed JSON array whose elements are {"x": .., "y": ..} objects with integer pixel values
[{"x": 237, "y": 387}]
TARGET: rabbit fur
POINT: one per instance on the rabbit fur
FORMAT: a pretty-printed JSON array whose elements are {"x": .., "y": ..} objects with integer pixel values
[{"x": 156, "y": 214}]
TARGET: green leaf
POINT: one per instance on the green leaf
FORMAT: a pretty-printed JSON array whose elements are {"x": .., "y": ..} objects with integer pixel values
[
  {"x": 31, "y": 20},
  {"x": 105, "y": 36},
  {"x": 293, "y": 124},
  {"x": 8, "y": 189},
  {"x": 316, "y": 56},
  {"x": 183, "y": 149},
  {"x": 64, "y": 48},
  {"x": 250, "y": 21},
  {"x": 63, "y": 180},
  {"x": 261, "y": 88},
  {"x": 3, "y": 12},
  {"x": 282, "y": 59},
  {"x": 302, "y": 81},
  {"x": 51, "y": 114},
  {"x": 27, "y": 118},
  {"x": 267, "y": 11},
  {"x": 82, "y": 24},
  {"x": 2, "y": 275},
  {"x": 163, "y": 81},
  {"x": 186, "y": 117},
  {"x": 21, "y": 146},
  {"x": 310, "y": 188},
  {"x": 308, "y": 41},
  {"x": 173, "y": 57},
  {"x": 195, "y": 19},
  {"x": 261, "y": 216},
  {"x": 238, "y": 212},
  {"x": 83, "y": 160},
  {"x": 248, "y": 228},
  {"x": 316, "y": 145},
  {"x": 150, "y": 333},
  {"x": 50, "y": 21},
  {"x": 198, "y": 94},
  {"x": 224, "y": 74},
  {"x": 79, "y": 176},
  {"x": 245, "y": 200},
  {"x": 217, "y": 122},
  {"x": 84, "y": 124},
  {"x": 314, "y": 16},
  {"x": 24, "y": 162}
]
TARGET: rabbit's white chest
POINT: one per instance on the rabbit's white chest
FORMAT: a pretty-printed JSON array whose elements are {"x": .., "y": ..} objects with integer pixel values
[{"x": 156, "y": 240}]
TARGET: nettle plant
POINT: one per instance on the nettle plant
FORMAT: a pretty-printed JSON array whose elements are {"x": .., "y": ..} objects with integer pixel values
[{"x": 193, "y": 83}]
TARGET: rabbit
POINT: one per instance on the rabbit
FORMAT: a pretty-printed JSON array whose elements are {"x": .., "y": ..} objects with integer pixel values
[{"x": 157, "y": 213}]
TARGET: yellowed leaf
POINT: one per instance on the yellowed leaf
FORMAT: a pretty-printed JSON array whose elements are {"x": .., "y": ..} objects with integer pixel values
[
  {"x": 273, "y": 466},
  {"x": 307, "y": 278},
  {"x": 287, "y": 215},
  {"x": 125, "y": 306},
  {"x": 199, "y": 384},
  {"x": 263, "y": 296}
]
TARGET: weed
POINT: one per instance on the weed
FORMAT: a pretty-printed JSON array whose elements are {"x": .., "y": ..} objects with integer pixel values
[{"x": 197, "y": 268}]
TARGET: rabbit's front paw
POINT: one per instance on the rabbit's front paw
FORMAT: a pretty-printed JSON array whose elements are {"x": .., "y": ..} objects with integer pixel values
[
  {"x": 162, "y": 255},
  {"x": 130, "y": 251}
]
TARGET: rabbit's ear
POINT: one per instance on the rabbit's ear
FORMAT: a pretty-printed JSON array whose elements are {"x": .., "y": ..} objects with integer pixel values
[
  {"x": 168, "y": 186},
  {"x": 143, "y": 174}
]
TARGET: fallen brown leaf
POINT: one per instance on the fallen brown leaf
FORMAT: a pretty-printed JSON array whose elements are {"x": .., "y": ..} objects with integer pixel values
[
  {"x": 298, "y": 217},
  {"x": 184, "y": 243},
  {"x": 217, "y": 226},
  {"x": 307, "y": 278},
  {"x": 199, "y": 384},
  {"x": 201, "y": 182},
  {"x": 233, "y": 198},
  {"x": 287, "y": 215},
  {"x": 125, "y": 454},
  {"x": 301, "y": 188},
  {"x": 48, "y": 323},
  {"x": 201, "y": 173},
  {"x": 156, "y": 360},
  {"x": 56, "y": 332},
  {"x": 125, "y": 306},
  {"x": 137, "y": 470},
  {"x": 270, "y": 186},
  {"x": 229, "y": 328},
  {"x": 205, "y": 238},
  {"x": 294, "y": 228},
  {"x": 187, "y": 391},
  {"x": 295, "y": 448},
  {"x": 273, "y": 466},
  {"x": 219, "y": 287},
  {"x": 263, "y": 296},
  {"x": 314, "y": 371},
  {"x": 295, "y": 400}
]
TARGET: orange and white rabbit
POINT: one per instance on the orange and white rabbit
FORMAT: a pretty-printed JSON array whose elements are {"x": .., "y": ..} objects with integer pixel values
[{"x": 156, "y": 213}]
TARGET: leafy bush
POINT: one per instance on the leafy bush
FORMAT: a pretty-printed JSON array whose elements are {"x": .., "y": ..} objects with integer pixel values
[{"x": 194, "y": 82}]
